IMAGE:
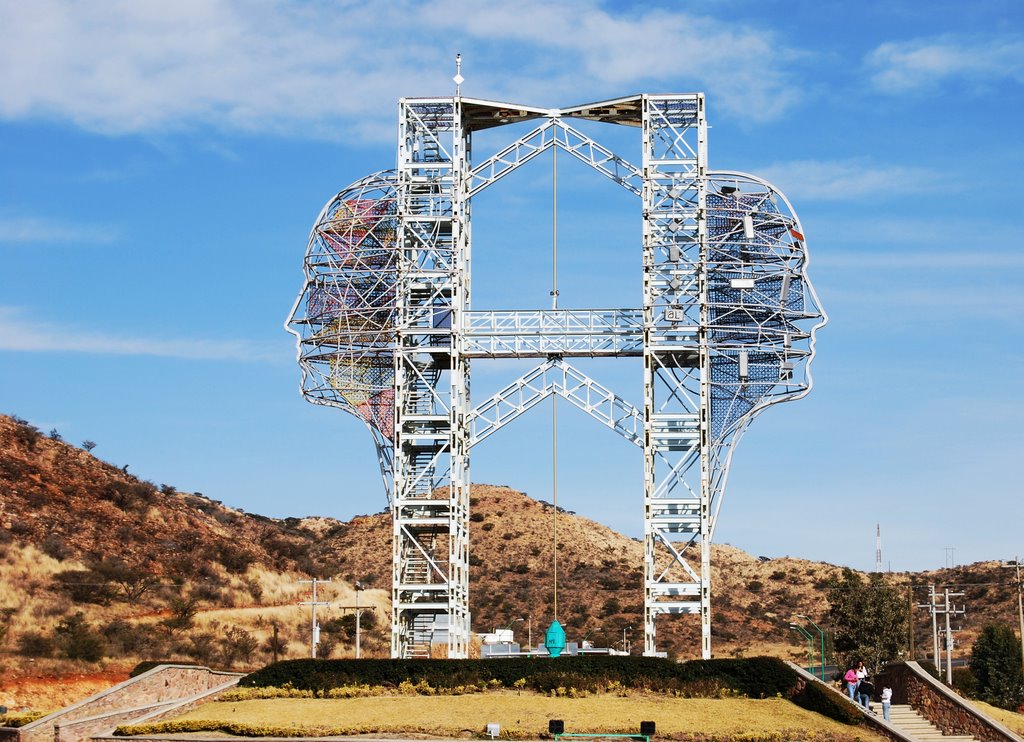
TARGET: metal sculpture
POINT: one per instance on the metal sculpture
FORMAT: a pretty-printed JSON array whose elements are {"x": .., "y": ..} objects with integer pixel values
[{"x": 385, "y": 331}]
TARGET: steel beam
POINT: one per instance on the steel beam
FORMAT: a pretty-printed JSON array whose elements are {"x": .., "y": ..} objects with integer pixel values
[{"x": 556, "y": 377}]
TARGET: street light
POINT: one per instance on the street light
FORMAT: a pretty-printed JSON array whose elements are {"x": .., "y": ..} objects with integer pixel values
[
  {"x": 624, "y": 630},
  {"x": 822, "y": 634},
  {"x": 529, "y": 630},
  {"x": 810, "y": 639},
  {"x": 583, "y": 641},
  {"x": 509, "y": 627}
]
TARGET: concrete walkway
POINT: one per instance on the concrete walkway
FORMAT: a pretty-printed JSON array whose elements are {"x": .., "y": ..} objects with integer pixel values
[{"x": 911, "y": 723}]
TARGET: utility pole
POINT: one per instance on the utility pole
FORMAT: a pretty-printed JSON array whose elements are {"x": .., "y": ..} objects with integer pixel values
[
  {"x": 1016, "y": 564},
  {"x": 359, "y": 613},
  {"x": 910, "y": 623},
  {"x": 947, "y": 610},
  {"x": 932, "y": 608},
  {"x": 314, "y": 633}
]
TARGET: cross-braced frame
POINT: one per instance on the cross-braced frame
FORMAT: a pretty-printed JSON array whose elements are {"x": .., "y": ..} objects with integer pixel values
[{"x": 386, "y": 331}]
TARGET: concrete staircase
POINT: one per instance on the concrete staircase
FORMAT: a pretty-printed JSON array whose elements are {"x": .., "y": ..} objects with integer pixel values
[{"x": 911, "y": 723}]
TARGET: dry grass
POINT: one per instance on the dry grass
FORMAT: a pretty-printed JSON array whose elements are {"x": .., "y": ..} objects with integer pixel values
[
  {"x": 526, "y": 715},
  {"x": 1009, "y": 719},
  {"x": 26, "y": 574},
  {"x": 293, "y": 619}
]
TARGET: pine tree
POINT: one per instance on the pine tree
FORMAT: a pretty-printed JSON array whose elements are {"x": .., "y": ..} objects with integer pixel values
[{"x": 995, "y": 662}]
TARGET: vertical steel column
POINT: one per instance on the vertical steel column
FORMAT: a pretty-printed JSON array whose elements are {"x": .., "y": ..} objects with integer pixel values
[
  {"x": 430, "y": 522},
  {"x": 458, "y": 508},
  {"x": 676, "y": 395},
  {"x": 707, "y": 475}
]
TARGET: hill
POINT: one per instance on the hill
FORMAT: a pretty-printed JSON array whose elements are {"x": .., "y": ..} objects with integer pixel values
[{"x": 160, "y": 573}]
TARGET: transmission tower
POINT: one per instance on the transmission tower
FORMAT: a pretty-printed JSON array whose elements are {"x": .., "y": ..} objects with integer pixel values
[{"x": 386, "y": 331}]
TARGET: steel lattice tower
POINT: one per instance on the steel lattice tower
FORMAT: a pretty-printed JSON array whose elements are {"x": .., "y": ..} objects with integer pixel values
[{"x": 386, "y": 331}]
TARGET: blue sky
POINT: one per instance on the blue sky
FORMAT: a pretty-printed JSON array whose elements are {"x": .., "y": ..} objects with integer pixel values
[{"x": 161, "y": 165}]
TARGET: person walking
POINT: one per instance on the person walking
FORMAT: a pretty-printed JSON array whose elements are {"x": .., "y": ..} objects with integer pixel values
[
  {"x": 886, "y": 701},
  {"x": 850, "y": 678},
  {"x": 862, "y": 672},
  {"x": 865, "y": 691}
]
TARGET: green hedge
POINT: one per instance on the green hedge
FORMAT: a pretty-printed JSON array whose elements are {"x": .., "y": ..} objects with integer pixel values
[
  {"x": 20, "y": 719},
  {"x": 756, "y": 678},
  {"x": 819, "y": 699},
  {"x": 759, "y": 677}
]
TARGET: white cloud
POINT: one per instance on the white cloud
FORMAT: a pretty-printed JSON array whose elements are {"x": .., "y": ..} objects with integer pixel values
[
  {"x": 20, "y": 334},
  {"x": 843, "y": 180},
  {"x": 21, "y": 230},
  {"x": 899, "y": 67},
  {"x": 335, "y": 70}
]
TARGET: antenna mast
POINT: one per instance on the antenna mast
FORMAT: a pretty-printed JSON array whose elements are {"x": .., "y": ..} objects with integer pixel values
[{"x": 878, "y": 547}]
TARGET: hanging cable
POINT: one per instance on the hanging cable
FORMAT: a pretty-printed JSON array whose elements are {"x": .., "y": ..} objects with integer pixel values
[
  {"x": 554, "y": 227},
  {"x": 554, "y": 397}
]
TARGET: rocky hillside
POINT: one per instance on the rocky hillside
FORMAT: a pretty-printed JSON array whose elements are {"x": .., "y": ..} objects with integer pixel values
[
  {"x": 111, "y": 532},
  {"x": 71, "y": 504}
]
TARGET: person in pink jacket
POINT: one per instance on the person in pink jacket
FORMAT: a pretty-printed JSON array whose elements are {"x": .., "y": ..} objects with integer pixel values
[{"x": 852, "y": 681}]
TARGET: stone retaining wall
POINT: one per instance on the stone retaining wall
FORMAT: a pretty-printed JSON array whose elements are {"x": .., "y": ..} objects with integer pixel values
[
  {"x": 912, "y": 685},
  {"x": 81, "y": 729},
  {"x": 153, "y": 714},
  {"x": 161, "y": 685}
]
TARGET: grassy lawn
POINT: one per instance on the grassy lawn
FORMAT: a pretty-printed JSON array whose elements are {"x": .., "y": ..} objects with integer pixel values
[
  {"x": 526, "y": 715},
  {"x": 1010, "y": 720}
]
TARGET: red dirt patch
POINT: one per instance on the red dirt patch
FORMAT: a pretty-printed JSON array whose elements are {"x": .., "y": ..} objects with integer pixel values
[{"x": 41, "y": 693}]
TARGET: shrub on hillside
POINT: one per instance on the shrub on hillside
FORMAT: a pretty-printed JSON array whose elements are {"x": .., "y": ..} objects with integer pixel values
[
  {"x": 965, "y": 682},
  {"x": 183, "y": 611},
  {"x": 55, "y": 546},
  {"x": 6, "y": 614},
  {"x": 76, "y": 639},
  {"x": 35, "y": 644},
  {"x": 84, "y": 586},
  {"x": 124, "y": 638},
  {"x": 238, "y": 645},
  {"x": 200, "y": 646},
  {"x": 26, "y": 433},
  {"x": 236, "y": 559}
]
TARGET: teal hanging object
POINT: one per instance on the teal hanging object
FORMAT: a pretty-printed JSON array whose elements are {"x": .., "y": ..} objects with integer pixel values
[{"x": 554, "y": 639}]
